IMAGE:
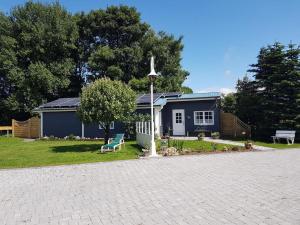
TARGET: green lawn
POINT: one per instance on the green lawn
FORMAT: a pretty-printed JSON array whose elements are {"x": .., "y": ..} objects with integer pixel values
[
  {"x": 204, "y": 146},
  {"x": 277, "y": 145},
  {"x": 15, "y": 153},
  {"x": 282, "y": 144}
]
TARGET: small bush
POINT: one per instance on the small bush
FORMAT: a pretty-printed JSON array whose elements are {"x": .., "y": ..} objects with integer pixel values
[
  {"x": 178, "y": 144},
  {"x": 214, "y": 146},
  {"x": 225, "y": 149},
  {"x": 52, "y": 138},
  {"x": 169, "y": 142},
  {"x": 215, "y": 135},
  {"x": 201, "y": 136},
  {"x": 71, "y": 137},
  {"x": 235, "y": 148}
]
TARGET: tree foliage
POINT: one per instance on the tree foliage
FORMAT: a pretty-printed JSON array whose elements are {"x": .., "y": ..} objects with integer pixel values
[
  {"x": 105, "y": 101},
  {"x": 38, "y": 44},
  {"x": 270, "y": 102},
  {"x": 115, "y": 43},
  {"x": 228, "y": 103},
  {"x": 186, "y": 90},
  {"x": 47, "y": 53}
]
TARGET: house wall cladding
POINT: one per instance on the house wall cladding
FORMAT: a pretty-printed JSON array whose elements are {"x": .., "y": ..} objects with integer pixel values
[
  {"x": 189, "y": 108},
  {"x": 62, "y": 124},
  {"x": 93, "y": 131}
]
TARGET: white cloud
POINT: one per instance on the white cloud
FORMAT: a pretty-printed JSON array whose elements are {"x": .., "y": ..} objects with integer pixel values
[
  {"x": 228, "y": 73},
  {"x": 223, "y": 90},
  {"x": 229, "y": 52},
  {"x": 226, "y": 91}
]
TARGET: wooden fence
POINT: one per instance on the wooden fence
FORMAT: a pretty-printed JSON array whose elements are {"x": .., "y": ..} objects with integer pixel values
[
  {"x": 26, "y": 129},
  {"x": 232, "y": 126}
]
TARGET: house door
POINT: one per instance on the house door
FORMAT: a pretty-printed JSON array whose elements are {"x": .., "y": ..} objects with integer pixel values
[{"x": 178, "y": 122}]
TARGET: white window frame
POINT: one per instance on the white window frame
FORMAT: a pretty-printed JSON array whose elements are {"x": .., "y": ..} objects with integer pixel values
[
  {"x": 204, "y": 122},
  {"x": 111, "y": 127}
]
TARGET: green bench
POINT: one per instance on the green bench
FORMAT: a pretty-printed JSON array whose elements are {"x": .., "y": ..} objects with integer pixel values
[{"x": 113, "y": 143}]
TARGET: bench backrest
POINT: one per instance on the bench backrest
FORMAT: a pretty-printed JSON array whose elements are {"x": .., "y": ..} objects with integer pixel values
[
  {"x": 285, "y": 133},
  {"x": 119, "y": 137}
]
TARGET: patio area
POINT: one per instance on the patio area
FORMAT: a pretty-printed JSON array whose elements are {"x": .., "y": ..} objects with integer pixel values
[{"x": 235, "y": 188}]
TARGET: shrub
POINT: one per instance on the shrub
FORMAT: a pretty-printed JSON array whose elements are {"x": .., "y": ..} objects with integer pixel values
[
  {"x": 215, "y": 135},
  {"x": 201, "y": 135},
  {"x": 225, "y": 149},
  {"x": 214, "y": 146},
  {"x": 235, "y": 148},
  {"x": 52, "y": 138},
  {"x": 71, "y": 137},
  {"x": 248, "y": 145},
  {"x": 178, "y": 144}
]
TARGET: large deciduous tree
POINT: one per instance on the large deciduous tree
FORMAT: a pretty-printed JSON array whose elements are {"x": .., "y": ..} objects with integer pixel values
[
  {"x": 105, "y": 101},
  {"x": 8, "y": 62},
  {"x": 47, "y": 53},
  {"x": 41, "y": 38},
  {"x": 115, "y": 43}
]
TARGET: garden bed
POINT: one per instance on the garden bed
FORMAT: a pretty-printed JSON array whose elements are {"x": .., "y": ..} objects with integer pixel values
[{"x": 188, "y": 147}]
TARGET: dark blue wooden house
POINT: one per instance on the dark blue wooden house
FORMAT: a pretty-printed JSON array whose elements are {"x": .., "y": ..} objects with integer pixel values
[{"x": 175, "y": 113}]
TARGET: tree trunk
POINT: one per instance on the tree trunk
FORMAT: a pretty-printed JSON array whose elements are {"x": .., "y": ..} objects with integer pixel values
[{"x": 106, "y": 133}]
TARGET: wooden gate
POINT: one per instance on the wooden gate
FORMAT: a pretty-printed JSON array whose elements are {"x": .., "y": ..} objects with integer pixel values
[
  {"x": 26, "y": 129},
  {"x": 232, "y": 126}
]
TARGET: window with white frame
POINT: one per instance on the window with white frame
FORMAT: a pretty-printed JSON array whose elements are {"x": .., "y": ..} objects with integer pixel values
[
  {"x": 112, "y": 126},
  {"x": 204, "y": 117}
]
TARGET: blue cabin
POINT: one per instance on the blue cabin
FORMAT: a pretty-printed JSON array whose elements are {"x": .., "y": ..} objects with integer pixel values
[{"x": 175, "y": 114}]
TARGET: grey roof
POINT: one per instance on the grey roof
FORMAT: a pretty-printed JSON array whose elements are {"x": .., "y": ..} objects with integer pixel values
[
  {"x": 199, "y": 95},
  {"x": 143, "y": 99},
  {"x": 62, "y": 103},
  {"x": 146, "y": 98}
]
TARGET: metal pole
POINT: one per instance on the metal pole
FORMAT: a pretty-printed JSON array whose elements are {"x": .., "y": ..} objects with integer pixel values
[{"x": 153, "y": 149}]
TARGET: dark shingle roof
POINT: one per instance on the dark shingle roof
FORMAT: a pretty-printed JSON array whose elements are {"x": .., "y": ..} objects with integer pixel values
[
  {"x": 143, "y": 99},
  {"x": 62, "y": 103}
]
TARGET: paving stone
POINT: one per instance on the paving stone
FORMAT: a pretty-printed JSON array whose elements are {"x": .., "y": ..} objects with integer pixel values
[{"x": 231, "y": 188}]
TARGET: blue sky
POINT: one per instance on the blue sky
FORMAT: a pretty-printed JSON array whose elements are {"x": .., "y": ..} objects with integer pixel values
[{"x": 221, "y": 37}]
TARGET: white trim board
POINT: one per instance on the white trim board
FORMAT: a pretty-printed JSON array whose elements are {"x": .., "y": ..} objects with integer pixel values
[
  {"x": 191, "y": 99},
  {"x": 203, "y": 114}
]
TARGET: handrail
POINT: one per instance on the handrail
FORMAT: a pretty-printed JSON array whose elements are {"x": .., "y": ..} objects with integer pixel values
[{"x": 243, "y": 124}]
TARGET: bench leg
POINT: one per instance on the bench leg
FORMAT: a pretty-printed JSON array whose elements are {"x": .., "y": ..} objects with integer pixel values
[
  {"x": 290, "y": 141},
  {"x": 274, "y": 140}
]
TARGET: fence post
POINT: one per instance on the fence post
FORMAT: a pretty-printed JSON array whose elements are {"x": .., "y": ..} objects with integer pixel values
[
  {"x": 235, "y": 126},
  {"x": 29, "y": 128},
  {"x": 149, "y": 131},
  {"x": 13, "y": 127}
]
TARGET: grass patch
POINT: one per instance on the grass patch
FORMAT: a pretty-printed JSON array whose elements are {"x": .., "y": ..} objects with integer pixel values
[
  {"x": 15, "y": 153},
  {"x": 277, "y": 145},
  {"x": 204, "y": 146},
  {"x": 270, "y": 144},
  {"x": 200, "y": 145}
]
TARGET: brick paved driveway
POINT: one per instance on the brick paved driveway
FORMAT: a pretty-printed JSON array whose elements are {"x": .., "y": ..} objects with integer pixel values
[{"x": 238, "y": 188}]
